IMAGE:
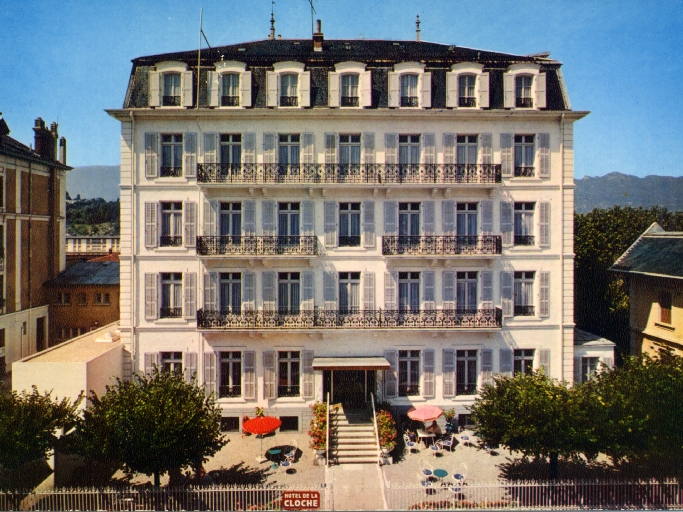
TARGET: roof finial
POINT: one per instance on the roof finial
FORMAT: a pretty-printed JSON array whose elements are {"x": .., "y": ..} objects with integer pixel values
[
  {"x": 417, "y": 28},
  {"x": 271, "y": 35}
]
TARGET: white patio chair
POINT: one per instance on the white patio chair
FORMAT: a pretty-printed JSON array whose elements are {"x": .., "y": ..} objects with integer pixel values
[
  {"x": 426, "y": 469},
  {"x": 291, "y": 454},
  {"x": 449, "y": 443},
  {"x": 410, "y": 445},
  {"x": 436, "y": 448}
]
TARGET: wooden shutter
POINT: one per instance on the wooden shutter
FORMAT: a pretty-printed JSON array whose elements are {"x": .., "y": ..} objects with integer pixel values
[
  {"x": 486, "y": 217},
  {"x": 187, "y": 89},
  {"x": 540, "y": 90},
  {"x": 506, "y": 155},
  {"x": 333, "y": 89},
  {"x": 506, "y": 222},
  {"x": 486, "y": 289},
  {"x": 428, "y": 285},
  {"x": 368, "y": 148},
  {"x": 330, "y": 289},
  {"x": 428, "y": 373},
  {"x": 269, "y": 290},
  {"x": 544, "y": 155},
  {"x": 452, "y": 90},
  {"x": 544, "y": 224},
  {"x": 368, "y": 291},
  {"x": 448, "y": 294},
  {"x": 249, "y": 218},
  {"x": 391, "y": 375},
  {"x": 369, "y": 224},
  {"x": 391, "y": 148},
  {"x": 607, "y": 361},
  {"x": 151, "y": 360},
  {"x": 190, "y": 214},
  {"x": 307, "y": 375},
  {"x": 151, "y": 152},
  {"x": 505, "y": 362},
  {"x": 330, "y": 148},
  {"x": 211, "y": 291},
  {"x": 330, "y": 220},
  {"x": 544, "y": 303},
  {"x": 190, "y": 303},
  {"x": 506, "y": 293},
  {"x": 449, "y": 148},
  {"x": 448, "y": 218},
  {"x": 249, "y": 365},
  {"x": 210, "y": 148},
  {"x": 269, "y": 148},
  {"x": 577, "y": 369},
  {"x": 390, "y": 218},
  {"x": 394, "y": 92},
  {"x": 248, "y": 291},
  {"x": 426, "y": 90},
  {"x": 305, "y": 89},
  {"x": 390, "y": 299},
  {"x": 213, "y": 84},
  {"x": 429, "y": 148},
  {"x": 190, "y": 160},
  {"x": 269, "y": 375},
  {"x": 486, "y": 148},
  {"x": 307, "y": 218},
  {"x": 210, "y": 373},
  {"x": 509, "y": 85},
  {"x": 210, "y": 217},
  {"x": 272, "y": 87},
  {"x": 269, "y": 218},
  {"x": 151, "y": 310},
  {"x": 154, "y": 97},
  {"x": 307, "y": 291},
  {"x": 544, "y": 360},
  {"x": 245, "y": 89},
  {"x": 308, "y": 148},
  {"x": 448, "y": 372},
  {"x": 190, "y": 366},
  {"x": 429, "y": 218},
  {"x": 150, "y": 225},
  {"x": 486, "y": 366},
  {"x": 249, "y": 148},
  {"x": 483, "y": 80},
  {"x": 365, "y": 80}
]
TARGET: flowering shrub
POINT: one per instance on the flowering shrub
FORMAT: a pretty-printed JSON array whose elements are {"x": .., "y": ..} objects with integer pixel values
[
  {"x": 386, "y": 429},
  {"x": 318, "y": 430}
]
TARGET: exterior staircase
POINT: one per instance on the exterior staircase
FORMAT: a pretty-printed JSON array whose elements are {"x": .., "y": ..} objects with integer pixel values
[{"x": 353, "y": 439}]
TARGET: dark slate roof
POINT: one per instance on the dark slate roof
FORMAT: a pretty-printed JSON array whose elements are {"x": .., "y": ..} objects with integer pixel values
[
  {"x": 655, "y": 252},
  {"x": 15, "y": 149},
  {"x": 582, "y": 337},
  {"x": 88, "y": 273}
]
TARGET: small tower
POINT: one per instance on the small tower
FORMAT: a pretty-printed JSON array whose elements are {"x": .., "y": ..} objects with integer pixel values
[
  {"x": 271, "y": 35},
  {"x": 417, "y": 28}
]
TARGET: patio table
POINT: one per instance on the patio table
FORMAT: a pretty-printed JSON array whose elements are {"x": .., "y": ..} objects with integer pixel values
[
  {"x": 423, "y": 435},
  {"x": 440, "y": 474}
]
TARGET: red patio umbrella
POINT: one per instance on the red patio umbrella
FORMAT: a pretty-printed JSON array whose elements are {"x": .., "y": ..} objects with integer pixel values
[
  {"x": 425, "y": 413},
  {"x": 260, "y": 426}
]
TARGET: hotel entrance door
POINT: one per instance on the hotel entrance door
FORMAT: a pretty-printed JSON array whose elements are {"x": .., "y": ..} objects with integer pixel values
[{"x": 351, "y": 388}]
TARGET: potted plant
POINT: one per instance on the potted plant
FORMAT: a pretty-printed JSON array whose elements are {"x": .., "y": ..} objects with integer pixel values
[
  {"x": 318, "y": 428},
  {"x": 386, "y": 430}
]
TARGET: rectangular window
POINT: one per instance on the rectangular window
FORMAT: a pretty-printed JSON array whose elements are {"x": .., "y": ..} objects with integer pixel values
[
  {"x": 524, "y": 156},
  {"x": 82, "y": 299},
  {"x": 102, "y": 299},
  {"x": 231, "y": 375},
  {"x": 589, "y": 367},
  {"x": 171, "y": 90},
  {"x": 231, "y": 292},
  {"x": 467, "y": 149},
  {"x": 231, "y": 148},
  {"x": 288, "y": 93},
  {"x": 466, "y": 372},
  {"x": 466, "y": 290},
  {"x": 230, "y": 424},
  {"x": 288, "y": 292},
  {"x": 409, "y": 149},
  {"x": 289, "y": 424},
  {"x": 171, "y": 155},
  {"x": 349, "y": 90},
  {"x": 63, "y": 298},
  {"x": 466, "y": 90},
  {"x": 523, "y": 91},
  {"x": 349, "y": 292},
  {"x": 524, "y": 293},
  {"x": 230, "y": 96},
  {"x": 349, "y": 151},
  {"x": 171, "y": 295},
  {"x": 409, "y": 220},
  {"x": 289, "y": 150},
  {"x": 349, "y": 224},
  {"x": 665, "y": 301},
  {"x": 171, "y": 225},
  {"x": 289, "y": 364},
  {"x": 172, "y": 362},
  {"x": 524, "y": 223},
  {"x": 231, "y": 221},
  {"x": 409, "y": 292},
  {"x": 408, "y": 372},
  {"x": 288, "y": 223},
  {"x": 41, "y": 327},
  {"x": 409, "y": 96},
  {"x": 467, "y": 219},
  {"x": 523, "y": 361}
]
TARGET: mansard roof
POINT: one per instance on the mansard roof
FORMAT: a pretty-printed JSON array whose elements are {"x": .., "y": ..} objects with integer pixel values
[{"x": 656, "y": 252}]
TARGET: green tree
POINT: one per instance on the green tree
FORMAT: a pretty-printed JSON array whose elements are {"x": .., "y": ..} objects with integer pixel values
[{"x": 152, "y": 425}]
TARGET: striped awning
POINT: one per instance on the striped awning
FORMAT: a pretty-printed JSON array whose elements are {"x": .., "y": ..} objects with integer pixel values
[{"x": 350, "y": 363}]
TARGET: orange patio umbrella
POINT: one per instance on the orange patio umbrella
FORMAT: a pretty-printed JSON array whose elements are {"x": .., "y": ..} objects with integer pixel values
[{"x": 261, "y": 425}]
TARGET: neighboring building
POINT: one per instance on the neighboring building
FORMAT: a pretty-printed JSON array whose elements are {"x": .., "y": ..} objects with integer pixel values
[
  {"x": 350, "y": 216},
  {"x": 32, "y": 231},
  {"x": 591, "y": 353},
  {"x": 83, "y": 297},
  {"x": 79, "y": 248},
  {"x": 653, "y": 267}
]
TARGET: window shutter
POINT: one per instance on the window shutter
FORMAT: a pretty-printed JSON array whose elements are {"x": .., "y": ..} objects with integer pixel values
[
  {"x": 151, "y": 152},
  {"x": 210, "y": 373},
  {"x": 486, "y": 366},
  {"x": 394, "y": 93},
  {"x": 448, "y": 218},
  {"x": 540, "y": 90},
  {"x": 248, "y": 291},
  {"x": 365, "y": 80},
  {"x": 483, "y": 80},
  {"x": 269, "y": 146},
  {"x": 390, "y": 218},
  {"x": 577, "y": 369},
  {"x": 544, "y": 356},
  {"x": 151, "y": 360},
  {"x": 608, "y": 362},
  {"x": 369, "y": 148},
  {"x": 307, "y": 218},
  {"x": 210, "y": 216},
  {"x": 154, "y": 89},
  {"x": 245, "y": 89},
  {"x": 269, "y": 290},
  {"x": 249, "y": 148},
  {"x": 428, "y": 280},
  {"x": 272, "y": 87},
  {"x": 544, "y": 224},
  {"x": 448, "y": 372},
  {"x": 213, "y": 84},
  {"x": 269, "y": 375},
  {"x": 210, "y": 148},
  {"x": 333, "y": 89},
  {"x": 190, "y": 140},
  {"x": 426, "y": 90},
  {"x": 190, "y": 366},
  {"x": 390, "y": 298},
  {"x": 544, "y": 309},
  {"x": 305, "y": 89},
  {"x": 390, "y": 376},
  {"x": 308, "y": 148},
  {"x": 448, "y": 296},
  {"x": 330, "y": 223},
  {"x": 187, "y": 89},
  {"x": 509, "y": 84},
  {"x": 249, "y": 363},
  {"x": 368, "y": 291},
  {"x": 308, "y": 291},
  {"x": 486, "y": 289},
  {"x": 249, "y": 218},
  {"x": 429, "y": 148},
  {"x": 369, "y": 224},
  {"x": 429, "y": 218},
  {"x": 330, "y": 148},
  {"x": 486, "y": 148},
  {"x": 506, "y": 285},
  {"x": 452, "y": 90},
  {"x": 506, "y": 154},
  {"x": 151, "y": 310},
  {"x": 505, "y": 361},
  {"x": 449, "y": 148},
  {"x": 190, "y": 213},
  {"x": 190, "y": 305},
  {"x": 544, "y": 155},
  {"x": 506, "y": 222},
  {"x": 428, "y": 373},
  {"x": 391, "y": 148},
  {"x": 269, "y": 217},
  {"x": 330, "y": 290},
  {"x": 486, "y": 217},
  {"x": 307, "y": 375},
  {"x": 211, "y": 291},
  {"x": 150, "y": 225}
]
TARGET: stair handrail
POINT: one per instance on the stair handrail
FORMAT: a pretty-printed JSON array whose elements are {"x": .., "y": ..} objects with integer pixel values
[
  {"x": 327, "y": 441},
  {"x": 374, "y": 421}
]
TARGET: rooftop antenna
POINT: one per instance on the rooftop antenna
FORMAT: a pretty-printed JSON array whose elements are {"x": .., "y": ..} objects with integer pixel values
[
  {"x": 417, "y": 28},
  {"x": 312, "y": 13},
  {"x": 199, "y": 51},
  {"x": 271, "y": 35}
]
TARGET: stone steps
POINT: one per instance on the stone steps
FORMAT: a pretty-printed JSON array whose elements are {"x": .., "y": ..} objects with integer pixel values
[{"x": 354, "y": 440}]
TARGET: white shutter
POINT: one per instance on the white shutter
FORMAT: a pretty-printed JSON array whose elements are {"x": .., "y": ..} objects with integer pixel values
[
  {"x": 211, "y": 291},
  {"x": 390, "y": 218},
  {"x": 390, "y": 376},
  {"x": 330, "y": 221},
  {"x": 249, "y": 148},
  {"x": 486, "y": 217},
  {"x": 448, "y": 372},
  {"x": 368, "y": 148},
  {"x": 213, "y": 84},
  {"x": 187, "y": 89},
  {"x": 429, "y": 218},
  {"x": 249, "y": 218},
  {"x": 190, "y": 214},
  {"x": 368, "y": 291},
  {"x": 506, "y": 222},
  {"x": 272, "y": 87},
  {"x": 540, "y": 90},
  {"x": 448, "y": 218},
  {"x": 190, "y": 304},
  {"x": 428, "y": 373},
  {"x": 210, "y": 373},
  {"x": 151, "y": 310},
  {"x": 308, "y": 148},
  {"x": 269, "y": 290},
  {"x": 245, "y": 89},
  {"x": 452, "y": 90},
  {"x": 369, "y": 224},
  {"x": 333, "y": 89},
  {"x": 330, "y": 148},
  {"x": 544, "y": 155},
  {"x": 544, "y": 303},
  {"x": 486, "y": 148},
  {"x": 486, "y": 366},
  {"x": 544, "y": 224},
  {"x": 486, "y": 289},
  {"x": 394, "y": 92},
  {"x": 506, "y": 154},
  {"x": 269, "y": 148},
  {"x": 391, "y": 148},
  {"x": 505, "y": 363},
  {"x": 307, "y": 218},
  {"x": 269, "y": 375},
  {"x": 428, "y": 284},
  {"x": 429, "y": 148},
  {"x": 607, "y": 361},
  {"x": 544, "y": 360},
  {"x": 365, "y": 89},
  {"x": 506, "y": 293},
  {"x": 190, "y": 365},
  {"x": 269, "y": 218},
  {"x": 307, "y": 375},
  {"x": 248, "y": 291},
  {"x": 249, "y": 364},
  {"x": 210, "y": 216},
  {"x": 426, "y": 90},
  {"x": 190, "y": 157},
  {"x": 330, "y": 291},
  {"x": 509, "y": 84},
  {"x": 151, "y": 152},
  {"x": 390, "y": 299},
  {"x": 305, "y": 89},
  {"x": 150, "y": 225},
  {"x": 577, "y": 369},
  {"x": 449, "y": 148},
  {"x": 210, "y": 148},
  {"x": 483, "y": 80},
  {"x": 448, "y": 294},
  {"x": 154, "y": 97},
  {"x": 151, "y": 359},
  {"x": 307, "y": 291}
]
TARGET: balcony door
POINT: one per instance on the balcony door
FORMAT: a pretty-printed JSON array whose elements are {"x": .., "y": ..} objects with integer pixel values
[
  {"x": 409, "y": 292},
  {"x": 289, "y": 285}
]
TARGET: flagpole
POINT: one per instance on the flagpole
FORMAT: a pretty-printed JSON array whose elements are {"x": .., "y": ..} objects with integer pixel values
[{"x": 199, "y": 52}]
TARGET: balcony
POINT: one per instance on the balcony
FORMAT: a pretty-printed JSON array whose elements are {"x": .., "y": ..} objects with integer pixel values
[
  {"x": 339, "y": 319},
  {"x": 524, "y": 171},
  {"x": 349, "y": 101},
  {"x": 528, "y": 240},
  {"x": 441, "y": 245},
  {"x": 349, "y": 241},
  {"x": 171, "y": 313},
  {"x": 229, "y": 391},
  {"x": 409, "y": 101},
  {"x": 170, "y": 241},
  {"x": 467, "y": 102},
  {"x": 524, "y": 310},
  {"x": 170, "y": 101},
  {"x": 171, "y": 172},
  {"x": 289, "y": 101},
  {"x": 365, "y": 174},
  {"x": 230, "y": 101},
  {"x": 525, "y": 103},
  {"x": 257, "y": 245}
]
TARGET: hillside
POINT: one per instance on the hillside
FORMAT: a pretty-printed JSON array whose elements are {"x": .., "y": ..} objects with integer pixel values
[{"x": 94, "y": 181}]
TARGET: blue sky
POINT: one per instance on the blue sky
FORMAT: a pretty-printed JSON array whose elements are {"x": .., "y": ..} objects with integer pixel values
[{"x": 67, "y": 61}]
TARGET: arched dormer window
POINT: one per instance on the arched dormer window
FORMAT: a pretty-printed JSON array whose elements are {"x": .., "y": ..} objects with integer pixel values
[
  {"x": 349, "y": 86},
  {"x": 230, "y": 85},
  {"x": 410, "y": 86},
  {"x": 170, "y": 85},
  {"x": 409, "y": 97},
  {"x": 288, "y": 85},
  {"x": 525, "y": 86},
  {"x": 467, "y": 86},
  {"x": 230, "y": 95}
]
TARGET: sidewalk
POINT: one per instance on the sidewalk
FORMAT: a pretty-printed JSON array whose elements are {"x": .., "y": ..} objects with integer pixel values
[{"x": 355, "y": 487}]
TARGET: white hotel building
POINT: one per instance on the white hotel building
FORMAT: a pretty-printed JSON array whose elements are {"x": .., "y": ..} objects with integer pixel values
[{"x": 301, "y": 217}]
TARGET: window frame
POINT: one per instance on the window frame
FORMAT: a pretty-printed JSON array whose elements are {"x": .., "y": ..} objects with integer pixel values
[
  {"x": 665, "y": 306},
  {"x": 231, "y": 361},
  {"x": 523, "y": 361},
  {"x": 409, "y": 379},
  {"x": 349, "y": 292},
  {"x": 525, "y": 279},
  {"x": 408, "y": 100},
  {"x": 290, "y": 100},
  {"x": 349, "y": 100},
  {"x": 232, "y": 142},
  {"x": 102, "y": 299},
  {"x": 409, "y": 283},
  {"x": 290, "y": 378},
  {"x": 175, "y": 154},
  {"x": 171, "y": 232},
  {"x": 466, "y": 373},
  {"x": 172, "y": 100},
  {"x": 350, "y": 222},
  {"x": 173, "y": 359},
  {"x": 588, "y": 371},
  {"x": 467, "y": 100},
  {"x": 171, "y": 292},
  {"x": 230, "y": 100},
  {"x": 232, "y": 281},
  {"x": 524, "y": 97},
  {"x": 526, "y": 212}
]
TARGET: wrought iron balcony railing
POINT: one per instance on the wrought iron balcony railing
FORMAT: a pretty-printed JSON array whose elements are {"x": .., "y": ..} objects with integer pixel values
[
  {"x": 230, "y": 101},
  {"x": 171, "y": 313},
  {"x": 349, "y": 101},
  {"x": 441, "y": 245},
  {"x": 463, "y": 388},
  {"x": 409, "y": 101},
  {"x": 349, "y": 241},
  {"x": 229, "y": 391},
  {"x": 524, "y": 171},
  {"x": 525, "y": 103},
  {"x": 170, "y": 241},
  {"x": 171, "y": 172},
  {"x": 285, "y": 391},
  {"x": 408, "y": 389},
  {"x": 289, "y": 101},
  {"x": 375, "y": 174},
  {"x": 467, "y": 102},
  {"x": 364, "y": 319},
  {"x": 170, "y": 101},
  {"x": 525, "y": 240},
  {"x": 257, "y": 245},
  {"x": 525, "y": 310}
]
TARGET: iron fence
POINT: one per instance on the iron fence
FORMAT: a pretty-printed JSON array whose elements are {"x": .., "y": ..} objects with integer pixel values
[
  {"x": 257, "y": 245},
  {"x": 441, "y": 245}
]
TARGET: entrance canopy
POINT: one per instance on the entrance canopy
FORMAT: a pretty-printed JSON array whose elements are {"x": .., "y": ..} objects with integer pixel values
[{"x": 350, "y": 363}]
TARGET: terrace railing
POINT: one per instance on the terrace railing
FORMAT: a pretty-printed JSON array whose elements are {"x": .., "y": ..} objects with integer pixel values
[
  {"x": 257, "y": 245},
  {"x": 441, "y": 245}
]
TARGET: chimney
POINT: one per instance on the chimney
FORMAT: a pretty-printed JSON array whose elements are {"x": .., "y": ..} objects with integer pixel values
[
  {"x": 62, "y": 150},
  {"x": 44, "y": 140},
  {"x": 417, "y": 28},
  {"x": 4, "y": 129},
  {"x": 318, "y": 37}
]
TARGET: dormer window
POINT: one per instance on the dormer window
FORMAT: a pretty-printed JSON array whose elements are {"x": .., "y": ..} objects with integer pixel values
[
  {"x": 170, "y": 85},
  {"x": 230, "y": 94},
  {"x": 466, "y": 91},
  {"x": 349, "y": 90},
  {"x": 349, "y": 86},
  {"x": 288, "y": 85},
  {"x": 171, "y": 96},
  {"x": 288, "y": 90},
  {"x": 409, "y": 91},
  {"x": 523, "y": 91},
  {"x": 467, "y": 86},
  {"x": 410, "y": 86},
  {"x": 525, "y": 86},
  {"x": 230, "y": 85}
]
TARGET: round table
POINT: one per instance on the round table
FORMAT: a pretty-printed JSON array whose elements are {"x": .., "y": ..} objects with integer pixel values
[{"x": 440, "y": 474}]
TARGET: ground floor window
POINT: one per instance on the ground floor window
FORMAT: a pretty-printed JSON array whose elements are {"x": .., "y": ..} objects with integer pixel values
[
  {"x": 466, "y": 372},
  {"x": 408, "y": 372},
  {"x": 289, "y": 364},
  {"x": 289, "y": 423},
  {"x": 230, "y": 424},
  {"x": 172, "y": 361},
  {"x": 524, "y": 361},
  {"x": 231, "y": 375},
  {"x": 589, "y": 367}
]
